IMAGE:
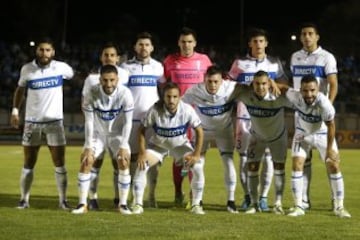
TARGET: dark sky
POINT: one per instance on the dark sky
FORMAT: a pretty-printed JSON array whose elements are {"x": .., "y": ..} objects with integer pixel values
[
  {"x": 218, "y": 23},
  {"x": 214, "y": 22}
]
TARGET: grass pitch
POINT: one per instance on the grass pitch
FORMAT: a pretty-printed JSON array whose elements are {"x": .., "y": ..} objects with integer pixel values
[{"x": 45, "y": 221}]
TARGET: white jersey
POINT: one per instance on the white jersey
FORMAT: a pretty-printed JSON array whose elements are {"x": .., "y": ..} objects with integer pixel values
[
  {"x": 244, "y": 69},
  {"x": 267, "y": 115},
  {"x": 109, "y": 115},
  {"x": 214, "y": 110},
  {"x": 311, "y": 117},
  {"x": 143, "y": 82},
  {"x": 94, "y": 78},
  {"x": 44, "y": 90},
  {"x": 320, "y": 63},
  {"x": 170, "y": 130}
]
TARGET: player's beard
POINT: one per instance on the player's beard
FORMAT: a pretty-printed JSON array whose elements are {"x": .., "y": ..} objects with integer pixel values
[{"x": 43, "y": 61}]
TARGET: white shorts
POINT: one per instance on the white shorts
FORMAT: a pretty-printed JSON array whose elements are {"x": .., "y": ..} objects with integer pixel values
[
  {"x": 177, "y": 153},
  {"x": 54, "y": 133},
  {"x": 103, "y": 143},
  {"x": 301, "y": 144},
  {"x": 277, "y": 147}
]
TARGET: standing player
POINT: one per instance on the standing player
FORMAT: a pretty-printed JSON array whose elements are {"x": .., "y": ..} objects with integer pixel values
[
  {"x": 108, "y": 119},
  {"x": 42, "y": 79},
  {"x": 316, "y": 128},
  {"x": 145, "y": 74},
  {"x": 267, "y": 130},
  {"x": 312, "y": 59},
  {"x": 185, "y": 68},
  {"x": 211, "y": 102},
  {"x": 109, "y": 54},
  {"x": 242, "y": 71},
  {"x": 170, "y": 118}
]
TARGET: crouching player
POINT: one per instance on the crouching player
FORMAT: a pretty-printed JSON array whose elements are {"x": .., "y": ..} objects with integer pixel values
[
  {"x": 315, "y": 128},
  {"x": 108, "y": 110},
  {"x": 170, "y": 118}
]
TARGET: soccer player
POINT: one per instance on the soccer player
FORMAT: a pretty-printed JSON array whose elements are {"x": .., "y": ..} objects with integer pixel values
[
  {"x": 312, "y": 59},
  {"x": 109, "y": 54},
  {"x": 170, "y": 118},
  {"x": 145, "y": 74},
  {"x": 108, "y": 109},
  {"x": 211, "y": 102},
  {"x": 185, "y": 68},
  {"x": 267, "y": 130},
  {"x": 316, "y": 128},
  {"x": 42, "y": 78},
  {"x": 242, "y": 71}
]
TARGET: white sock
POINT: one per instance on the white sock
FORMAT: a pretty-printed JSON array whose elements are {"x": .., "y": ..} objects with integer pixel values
[
  {"x": 83, "y": 187},
  {"x": 243, "y": 172},
  {"x": 337, "y": 186},
  {"x": 139, "y": 184},
  {"x": 297, "y": 187},
  {"x": 124, "y": 185},
  {"x": 279, "y": 180},
  {"x": 267, "y": 172},
  {"x": 61, "y": 182},
  {"x": 198, "y": 181},
  {"x": 26, "y": 179},
  {"x": 229, "y": 175}
]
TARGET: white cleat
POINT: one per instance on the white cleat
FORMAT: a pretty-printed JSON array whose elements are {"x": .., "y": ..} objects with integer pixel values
[
  {"x": 197, "y": 209},
  {"x": 252, "y": 209},
  {"x": 80, "y": 209},
  {"x": 278, "y": 210},
  {"x": 123, "y": 209},
  {"x": 296, "y": 212},
  {"x": 342, "y": 213},
  {"x": 231, "y": 207},
  {"x": 137, "y": 209},
  {"x": 23, "y": 204}
]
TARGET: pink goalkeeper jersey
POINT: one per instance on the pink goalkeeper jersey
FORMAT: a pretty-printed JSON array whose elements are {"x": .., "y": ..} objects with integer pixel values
[{"x": 186, "y": 71}]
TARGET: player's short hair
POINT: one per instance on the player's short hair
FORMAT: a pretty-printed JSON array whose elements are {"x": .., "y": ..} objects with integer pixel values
[
  {"x": 308, "y": 78},
  {"x": 261, "y": 73},
  {"x": 108, "y": 68},
  {"x": 309, "y": 25},
  {"x": 188, "y": 31},
  {"x": 256, "y": 32},
  {"x": 214, "y": 69}
]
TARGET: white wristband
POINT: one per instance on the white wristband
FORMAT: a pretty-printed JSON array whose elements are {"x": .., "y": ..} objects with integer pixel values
[{"x": 15, "y": 111}]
